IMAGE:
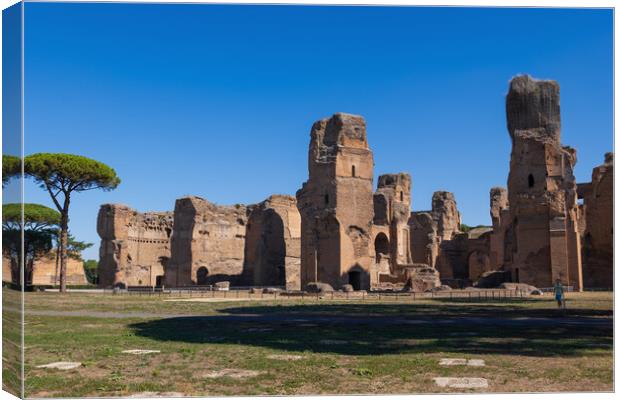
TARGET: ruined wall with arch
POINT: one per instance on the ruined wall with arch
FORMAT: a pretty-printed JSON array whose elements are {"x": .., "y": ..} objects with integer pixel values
[{"x": 273, "y": 240}]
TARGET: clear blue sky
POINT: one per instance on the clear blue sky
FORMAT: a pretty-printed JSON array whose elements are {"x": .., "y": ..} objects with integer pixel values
[{"x": 218, "y": 101}]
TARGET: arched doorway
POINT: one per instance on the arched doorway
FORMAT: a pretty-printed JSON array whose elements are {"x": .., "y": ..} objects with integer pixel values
[
  {"x": 382, "y": 246},
  {"x": 201, "y": 276},
  {"x": 355, "y": 279}
]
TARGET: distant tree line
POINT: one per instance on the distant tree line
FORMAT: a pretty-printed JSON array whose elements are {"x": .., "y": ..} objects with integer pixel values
[{"x": 466, "y": 228}]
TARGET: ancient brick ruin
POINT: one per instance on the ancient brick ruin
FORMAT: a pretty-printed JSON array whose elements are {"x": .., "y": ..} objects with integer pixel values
[
  {"x": 200, "y": 243},
  {"x": 437, "y": 240},
  {"x": 273, "y": 237},
  {"x": 351, "y": 235},
  {"x": 542, "y": 242},
  {"x": 207, "y": 243},
  {"x": 597, "y": 225},
  {"x": 134, "y": 247},
  {"x": 339, "y": 231},
  {"x": 45, "y": 271},
  {"x": 540, "y": 232},
  {"x": 336, "y": 205}
]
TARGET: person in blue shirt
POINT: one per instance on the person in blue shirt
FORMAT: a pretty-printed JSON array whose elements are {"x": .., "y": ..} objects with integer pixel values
[{"x": 558, "y": 290}]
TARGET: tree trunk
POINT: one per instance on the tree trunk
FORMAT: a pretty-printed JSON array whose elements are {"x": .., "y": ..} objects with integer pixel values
[
  {"x": 15, "y": 269},
  {"x": 57, "y": 263},
  {"x": 64, "y": 235},
  {"x": 28, "y": 272}
]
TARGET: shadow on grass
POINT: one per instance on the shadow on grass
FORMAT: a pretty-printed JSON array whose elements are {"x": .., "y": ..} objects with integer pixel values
[
  {"x": 438, "y": 308},
  {"x": 362, "y": 329}
]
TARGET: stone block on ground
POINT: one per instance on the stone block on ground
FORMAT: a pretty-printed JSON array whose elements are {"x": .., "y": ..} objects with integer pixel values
[
  {"x": 140, "y": 351},
  {"x": 474, "y": 362},
  {"x": 62, "y": 365},
  {"x": 452, "y": 361},
  {"x": 461, "y": 383},
  {"x": 284, "y": 357},
  {"x": 232, "y": 373},
  {"x": 319, "y": 287},
  {"x": 518, "y": 286}
]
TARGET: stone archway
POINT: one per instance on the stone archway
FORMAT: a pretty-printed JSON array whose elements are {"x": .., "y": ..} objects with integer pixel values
[
  {"x": 382, "y": 246},
  {"x": 355, "y": 279},
  {"x": 202, "y": 275}
]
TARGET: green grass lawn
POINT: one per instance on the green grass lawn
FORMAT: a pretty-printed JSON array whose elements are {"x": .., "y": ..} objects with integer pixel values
[
  {"x": 359, "y": 357},
  {"x": 11, "y": 341}
]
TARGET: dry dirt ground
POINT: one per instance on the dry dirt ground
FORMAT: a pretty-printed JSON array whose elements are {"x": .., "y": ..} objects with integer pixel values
[{"x": 311, "y": 346}]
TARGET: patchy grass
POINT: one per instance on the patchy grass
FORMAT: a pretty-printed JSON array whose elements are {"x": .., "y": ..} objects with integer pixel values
[
  {"x": 199, "y": 350},
  {"x": 11, "y": 341}
]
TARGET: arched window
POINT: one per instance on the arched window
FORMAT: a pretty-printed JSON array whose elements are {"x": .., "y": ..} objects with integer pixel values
[
  {"x": 530, "y": 180},
  {"x": 353, "y": 171},
  {"x": 401, "y": 196},
  {"x": 326, "y": 199}
]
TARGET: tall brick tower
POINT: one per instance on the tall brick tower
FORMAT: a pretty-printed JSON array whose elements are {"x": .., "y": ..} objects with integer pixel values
[
  {"x": 542, "y": 192},
  {"x": 336, "y": 204}
]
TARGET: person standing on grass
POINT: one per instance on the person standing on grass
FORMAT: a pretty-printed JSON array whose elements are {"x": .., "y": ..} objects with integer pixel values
[{"x": 558, "y": 290}]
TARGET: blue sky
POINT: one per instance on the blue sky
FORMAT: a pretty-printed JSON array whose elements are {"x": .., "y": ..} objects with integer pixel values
[{"x": 218, "y": 101}]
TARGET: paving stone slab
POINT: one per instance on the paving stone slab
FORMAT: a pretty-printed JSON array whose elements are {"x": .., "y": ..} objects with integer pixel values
[
  {"x": 141, "y": 351},
  {"x": 62, "y": 365},
  {"x": 462, "y": 361},
  {"x": 452, "y": 361},
  {"x": 462, "y": 383},
  {"x": 231, "y": 373},
  {"x": 284, "y": 357}
]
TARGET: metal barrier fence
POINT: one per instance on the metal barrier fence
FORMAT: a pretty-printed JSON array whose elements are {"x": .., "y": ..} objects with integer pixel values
[
  {"x": 260, "y": 294},
  {"x": 550, "y": 289},
  {"x": 195, "y": 288}
]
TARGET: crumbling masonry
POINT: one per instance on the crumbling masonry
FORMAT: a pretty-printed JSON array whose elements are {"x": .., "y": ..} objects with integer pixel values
[
  {"x": 338, "y": 231},
  {"x": 542, "y": 242}
]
